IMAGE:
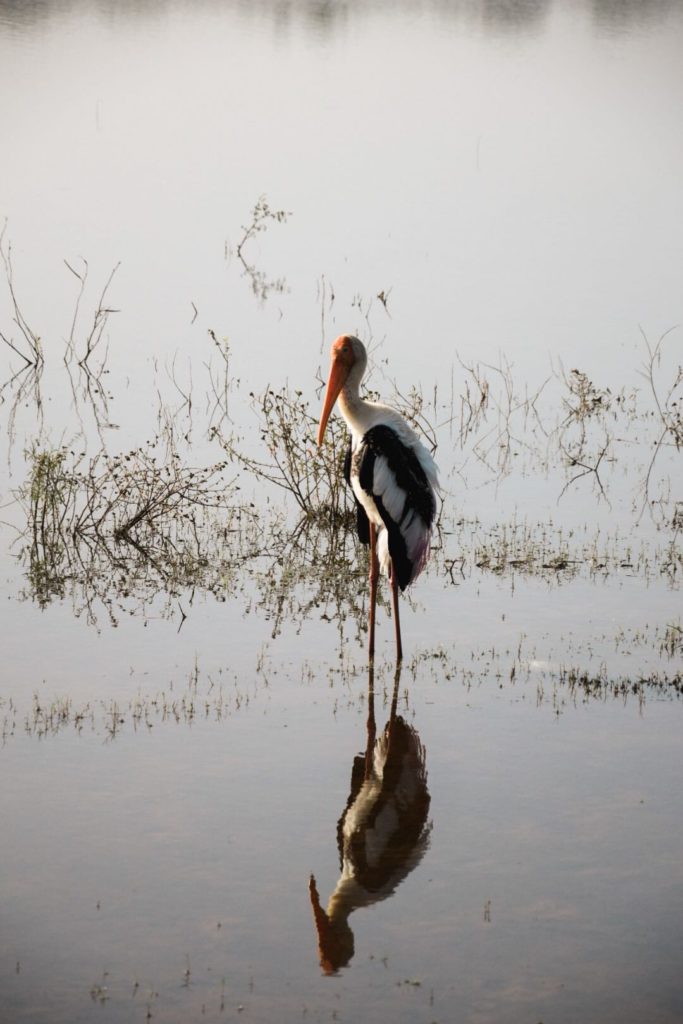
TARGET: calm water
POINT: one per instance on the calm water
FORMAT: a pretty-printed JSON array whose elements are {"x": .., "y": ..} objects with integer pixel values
[{"x": 481, "y": 191}]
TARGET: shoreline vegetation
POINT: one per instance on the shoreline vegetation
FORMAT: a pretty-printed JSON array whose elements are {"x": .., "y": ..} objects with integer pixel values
[{"x": 118, "y": 532}]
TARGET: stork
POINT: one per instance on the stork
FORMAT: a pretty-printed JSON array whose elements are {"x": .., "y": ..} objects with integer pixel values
[{"x": 393, "y": 477}]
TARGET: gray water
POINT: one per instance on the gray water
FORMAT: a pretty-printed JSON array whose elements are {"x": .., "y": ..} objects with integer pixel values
[{"x": 488, "y": 194}]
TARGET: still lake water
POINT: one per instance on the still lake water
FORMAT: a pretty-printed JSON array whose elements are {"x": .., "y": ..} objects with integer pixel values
[{"x": 482, "y": 191}]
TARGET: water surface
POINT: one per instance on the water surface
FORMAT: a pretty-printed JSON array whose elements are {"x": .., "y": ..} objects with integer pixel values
[{"x": 487, "y": 194}]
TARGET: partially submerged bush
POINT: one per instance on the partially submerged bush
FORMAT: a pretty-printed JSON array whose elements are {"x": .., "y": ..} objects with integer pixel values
[
  {"x": 312, "y": 475},
  {"x": 137, "y": 519}
]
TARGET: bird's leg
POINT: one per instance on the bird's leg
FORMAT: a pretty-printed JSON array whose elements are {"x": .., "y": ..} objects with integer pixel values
[
  {"x": 374, "y": 576},
  {"x": 397, "y": 621}
]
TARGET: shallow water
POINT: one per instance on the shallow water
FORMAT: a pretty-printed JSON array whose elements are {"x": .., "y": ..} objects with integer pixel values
[{"x": 482, "y": 192}]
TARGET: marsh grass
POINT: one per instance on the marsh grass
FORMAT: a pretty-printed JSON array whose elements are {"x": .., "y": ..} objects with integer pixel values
[
  {"x": 92, "y": 335},
  {"x": 29, "y": 346},
  {"x": 537, "y": 549},
  {"x": 523, "y": 547},
  {"x": 493, "y": 420},
  {"x": 200, "y": 699},
  {"x": 671, "y": 643},
  {"x": 118, "y": 496},
  {"x": 555, "y": 687},
  {"x": 135, "y": 524},
  {"x": 588, "y": 432},
  {"x": 23, "y": 384},
  {"x": 122, "y": 532},
  {"x": 143, "y": 524},
  {"x": 216, "y": 698},
  {"x": 125, "y": 528},
  {"x": 587, "y": 685},
  {"x": 315, "y": 571}
]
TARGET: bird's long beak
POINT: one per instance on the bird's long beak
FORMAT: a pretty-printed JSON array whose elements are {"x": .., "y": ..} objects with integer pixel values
[{"x": 338, "y": 374}]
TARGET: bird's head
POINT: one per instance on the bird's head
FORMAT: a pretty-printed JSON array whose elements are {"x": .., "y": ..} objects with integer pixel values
[{"x": 347, "y": 352}]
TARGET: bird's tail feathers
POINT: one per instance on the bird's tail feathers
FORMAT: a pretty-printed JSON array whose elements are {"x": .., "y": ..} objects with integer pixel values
[{"x": 417, "y": 554}]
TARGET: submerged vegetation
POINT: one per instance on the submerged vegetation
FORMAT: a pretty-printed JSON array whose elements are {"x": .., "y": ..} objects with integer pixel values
[
  {"x": 262, "y": 515},
  {"x": 203, "y": 697},
  {"x": 126, "y": 526},
  {"x": 292, "y": 462}
]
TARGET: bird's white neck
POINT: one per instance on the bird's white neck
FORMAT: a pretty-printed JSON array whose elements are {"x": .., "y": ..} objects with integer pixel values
[
  {"x": 358, "y": 413},
  {"x": 361, "y": 415}
]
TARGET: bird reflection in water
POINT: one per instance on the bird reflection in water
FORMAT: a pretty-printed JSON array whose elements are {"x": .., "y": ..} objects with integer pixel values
[{"x": 382, "y": 834}]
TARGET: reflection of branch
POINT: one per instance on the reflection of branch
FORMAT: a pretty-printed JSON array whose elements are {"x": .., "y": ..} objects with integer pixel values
[
  {"x": 69, "y": 352},
  {"x": 669, "y": 409},
  {"x": 93, "y": 389},
  {"x": 585, "y": 469},
  {"x": 220, "y": 385},
  {"x": 29, "y": 386},
  {"x": 100, "y": 318},
  {"x": 314, "y": 567},
  {"x": 261, "y": 215},
  {"x": 184, "y": 392},
  {"x": 474, "y": 402},
  {"x": 496, "y": 446}
]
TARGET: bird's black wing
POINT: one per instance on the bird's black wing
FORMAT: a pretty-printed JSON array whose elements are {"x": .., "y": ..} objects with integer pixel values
[
  {"x": 362, "y": 522},
  {"x": 407, "y": 477}
]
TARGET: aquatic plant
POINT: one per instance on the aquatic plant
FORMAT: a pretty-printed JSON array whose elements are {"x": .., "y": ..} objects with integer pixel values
[
  {"x": 312, "y": 475},
  {"x": 32, "y": 353},
  {"x": 116, "y": 525}
]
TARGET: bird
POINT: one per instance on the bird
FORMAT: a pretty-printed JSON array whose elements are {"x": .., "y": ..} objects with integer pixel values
[
  {"x": 393, "y": 476},
  {"x": 383, "y": 832}
]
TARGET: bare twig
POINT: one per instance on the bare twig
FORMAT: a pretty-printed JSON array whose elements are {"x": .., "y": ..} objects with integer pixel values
[{"x": 35, "y": 349}]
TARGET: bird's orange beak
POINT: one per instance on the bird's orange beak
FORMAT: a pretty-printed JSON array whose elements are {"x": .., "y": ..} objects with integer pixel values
[{"x": 339, "y": 371}]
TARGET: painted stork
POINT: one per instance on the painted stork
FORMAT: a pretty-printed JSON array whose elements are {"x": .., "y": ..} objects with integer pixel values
[{"x": 392, "y": 475}]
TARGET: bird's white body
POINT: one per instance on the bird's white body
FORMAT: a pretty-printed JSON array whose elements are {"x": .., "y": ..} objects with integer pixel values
[{"x": 361, "y": 416}]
